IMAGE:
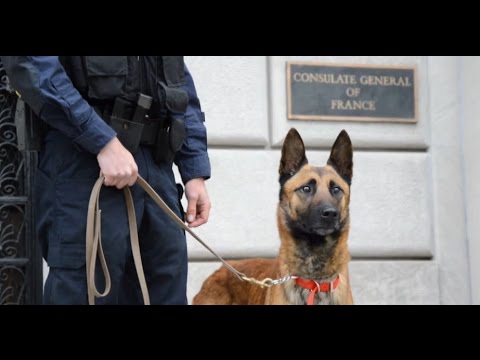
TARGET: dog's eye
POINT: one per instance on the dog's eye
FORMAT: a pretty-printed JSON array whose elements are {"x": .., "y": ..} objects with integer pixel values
[
  {"x": 336, "y": 190},
  {"x": 306, "y": 189}
]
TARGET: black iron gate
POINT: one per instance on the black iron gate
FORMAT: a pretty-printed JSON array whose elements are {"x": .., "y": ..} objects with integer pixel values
[{"x": 20, "y": 260}]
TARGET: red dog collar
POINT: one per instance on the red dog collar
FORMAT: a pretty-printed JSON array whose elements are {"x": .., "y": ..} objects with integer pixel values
[{"x": 315, "y": 287}]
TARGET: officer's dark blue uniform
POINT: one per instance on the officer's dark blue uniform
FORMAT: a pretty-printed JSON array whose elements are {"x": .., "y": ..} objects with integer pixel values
[{"x": 66, "y": 173}]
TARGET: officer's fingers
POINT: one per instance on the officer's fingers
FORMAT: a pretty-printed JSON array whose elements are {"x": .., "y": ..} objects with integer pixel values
[
  {"x": 121, "y": 183},
  {"x": 134, "y": 175},
  {"x": 202, "y": 215},
  {"x": 132, "y": 181},
  {"x": 109, "y": 181},
  {"x": 131, "y": 173},
  {"x": 124, "y": 179},
  {"x": 192, "y": 209},
  {"x": 200, "y": 220}
]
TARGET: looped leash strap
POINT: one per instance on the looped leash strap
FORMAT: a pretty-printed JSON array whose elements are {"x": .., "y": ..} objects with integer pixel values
[{"x": 94, "y": 244}]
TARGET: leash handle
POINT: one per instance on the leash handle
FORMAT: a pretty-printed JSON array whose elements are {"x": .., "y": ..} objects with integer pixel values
[{"x": 94, "y": 243}]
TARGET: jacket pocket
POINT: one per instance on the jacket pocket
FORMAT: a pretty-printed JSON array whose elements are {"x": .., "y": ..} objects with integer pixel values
[
  {"x": 51, "y": 232},
  {"x": 106, "y": 76},
  {"x": 72, "y": 197}
]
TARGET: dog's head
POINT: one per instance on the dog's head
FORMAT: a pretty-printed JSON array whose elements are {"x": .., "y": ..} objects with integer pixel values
[{"x": 315, "y": 200}]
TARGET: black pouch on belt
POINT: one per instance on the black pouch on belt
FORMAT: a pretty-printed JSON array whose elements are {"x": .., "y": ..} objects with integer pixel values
[
  {"x": 169, "y": 140},
  {"x": 128, "y": 132}
]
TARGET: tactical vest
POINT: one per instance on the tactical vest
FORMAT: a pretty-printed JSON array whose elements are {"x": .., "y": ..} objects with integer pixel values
[{"x": 104, "y": 78}]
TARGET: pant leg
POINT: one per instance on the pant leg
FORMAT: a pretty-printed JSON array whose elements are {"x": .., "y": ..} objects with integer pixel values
[{"x": 162, "y": 243}]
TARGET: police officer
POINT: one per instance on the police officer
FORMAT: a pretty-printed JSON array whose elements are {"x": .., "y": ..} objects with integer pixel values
[{"x": 76, "y": 96}]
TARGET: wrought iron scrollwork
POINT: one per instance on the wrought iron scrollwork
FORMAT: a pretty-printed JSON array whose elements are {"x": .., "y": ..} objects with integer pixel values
[
  {"x": 12, "y": 219},
  {"x": 11, "y": 160},
  {"x": 12, "y": 285},
  {"x": 20, "y": 263}
]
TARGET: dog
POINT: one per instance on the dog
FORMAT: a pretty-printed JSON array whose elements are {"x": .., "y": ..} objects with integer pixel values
[{"x": 313, "y": 222}]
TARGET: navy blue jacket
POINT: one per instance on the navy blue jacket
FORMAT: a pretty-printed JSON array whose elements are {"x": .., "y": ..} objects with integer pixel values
[{"x": 44, "y": 85}]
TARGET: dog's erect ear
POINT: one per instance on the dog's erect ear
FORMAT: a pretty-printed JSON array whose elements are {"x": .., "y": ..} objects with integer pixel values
[
  {"x": 293, "y": 154},
  {"x": 341, "y": 156}
]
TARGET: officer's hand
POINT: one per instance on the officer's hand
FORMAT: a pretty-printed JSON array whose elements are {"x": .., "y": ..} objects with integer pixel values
[
  {"x": 198, "y": 202},
  {"x": 117, "y": 165}
]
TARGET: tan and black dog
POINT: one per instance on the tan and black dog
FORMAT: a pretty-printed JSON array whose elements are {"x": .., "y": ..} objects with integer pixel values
[{"x": 313, "y": 222}]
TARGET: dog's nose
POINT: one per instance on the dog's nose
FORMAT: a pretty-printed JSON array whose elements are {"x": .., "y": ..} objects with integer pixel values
[{"x": 329, "y": 213}]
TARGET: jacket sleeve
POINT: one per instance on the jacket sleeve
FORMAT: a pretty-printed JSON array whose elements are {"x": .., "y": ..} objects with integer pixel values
[
  {"x": 42, "y": 82},
  {"x": 192, "y": 159}
]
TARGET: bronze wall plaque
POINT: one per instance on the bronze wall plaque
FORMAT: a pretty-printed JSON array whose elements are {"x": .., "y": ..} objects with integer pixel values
[{"x": 318, "y": 91}]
